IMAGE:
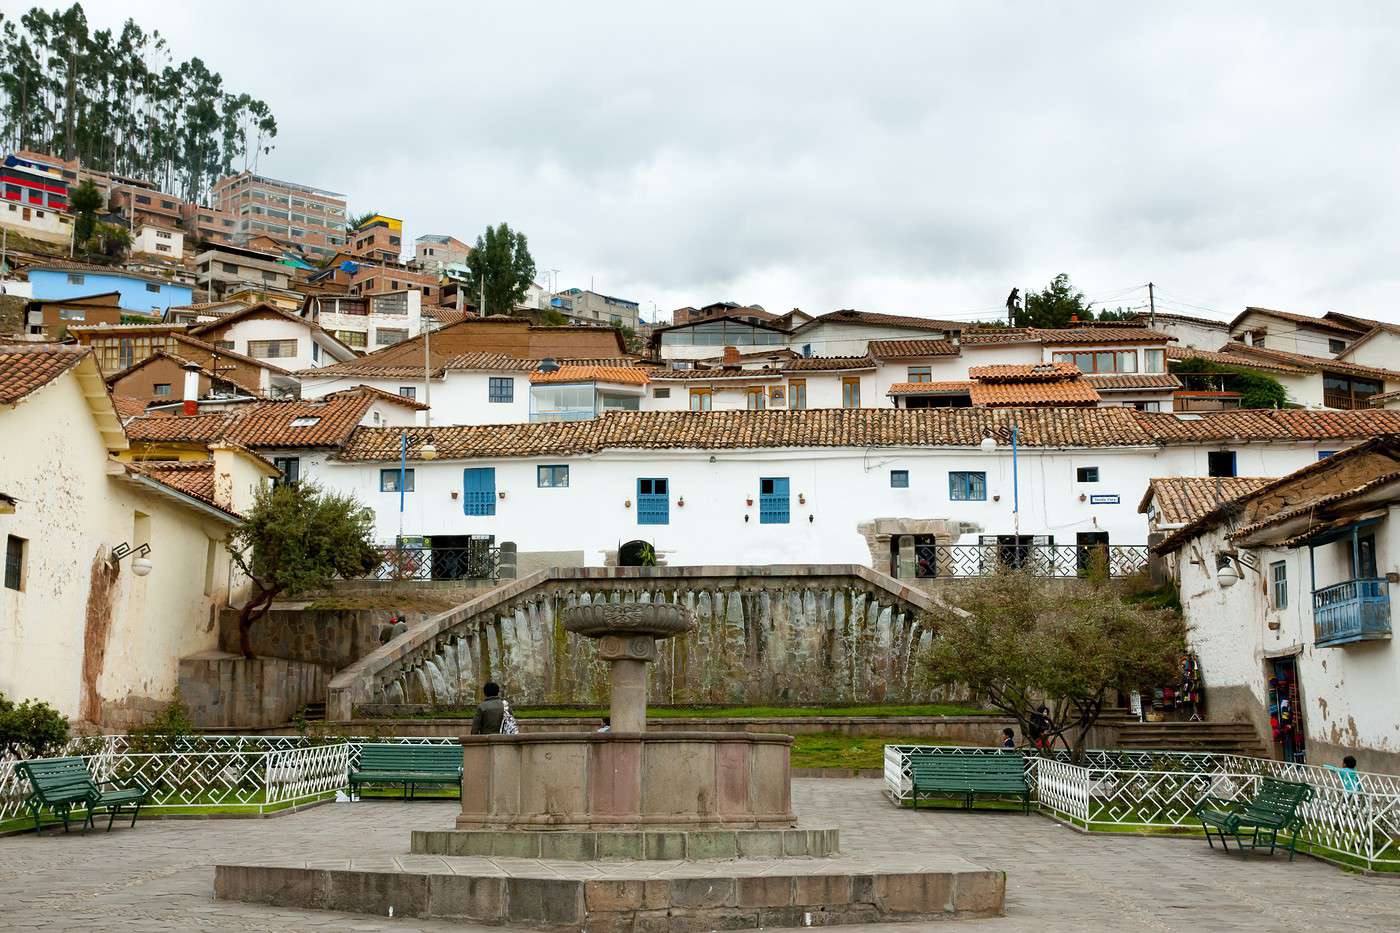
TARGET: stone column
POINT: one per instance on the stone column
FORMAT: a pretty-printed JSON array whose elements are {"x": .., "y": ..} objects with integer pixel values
[{"x": 628, "y": 657}]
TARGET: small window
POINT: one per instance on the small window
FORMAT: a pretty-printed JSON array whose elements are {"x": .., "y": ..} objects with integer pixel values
[
  {"x": 899, "y": 479},
  {"x": 224, "y": 344},
  {"x": 15, "y": 548},
  {"x": 773, "y": 501},
  {"x": 920, "y": 374},
  {"x": 289, "y": 467},
  {"x": 967, "y": 486},
  {"x": 306, "y": 421},
  {"x": 408, "y": 391},
  {"x": 1336, "y": 346},
  {"x": 502, "y": 389},
  {"x": 1220, "y": 463},
  {"x": 850, "y": 392},
  {"x": 701, "y": 400},
  {"x": 755, "y": 396},
  {"x": 661, "y": 392},
  {"x": 160, "y": 388},
  {"x": 153, "y": 287},
  {"x": 1278, "y": 582},
  {"x": 389, "y": 480},
  {"x": 76, "y": 278},
  {"x": 552, "y": 477},
  {"x": 1154, "y": 361},
  {"x": 1324, "y": 454},
  {"x": 797, "y": 394},
  {"x": 1087, "y": 474}
]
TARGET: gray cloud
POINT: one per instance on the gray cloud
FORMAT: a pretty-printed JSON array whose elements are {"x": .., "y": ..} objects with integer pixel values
[{"x": 906, "y": 157}]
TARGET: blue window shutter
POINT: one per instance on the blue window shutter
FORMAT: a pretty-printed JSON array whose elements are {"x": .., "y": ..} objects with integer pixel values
[
  {"x": 653, "y": 501},
  {"x": 773, "y": 502},
  {"x": 479, "y": 491}
]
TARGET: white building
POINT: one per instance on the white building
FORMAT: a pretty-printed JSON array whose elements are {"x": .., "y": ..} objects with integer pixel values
[
  {"x": 696, "y": 485},
  {"x": 1286, "y": 588},
  {"x": 1202, "y": 333},
  {"x": 159, "y": 240},
  {"x": 85, "y": 625},
  {"x": 266, "y": 332},
  {"x": 368, "y": 322},
  {"x": 1293, "y": 333}
]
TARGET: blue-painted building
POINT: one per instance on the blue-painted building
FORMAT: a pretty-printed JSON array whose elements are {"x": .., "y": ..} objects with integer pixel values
[{"x": 139, "y": 292}]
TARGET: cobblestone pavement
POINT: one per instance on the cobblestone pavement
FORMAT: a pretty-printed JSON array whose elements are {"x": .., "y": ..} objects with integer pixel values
[{"x": 160, "y": 877}]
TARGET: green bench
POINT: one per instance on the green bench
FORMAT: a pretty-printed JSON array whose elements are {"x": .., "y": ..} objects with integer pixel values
[
  {"x": 409, "y": 765},
  {"x": 1001, "y": 774},
  {"x": 62, "y": 784},
  {"x": 1272, "y": 811}
]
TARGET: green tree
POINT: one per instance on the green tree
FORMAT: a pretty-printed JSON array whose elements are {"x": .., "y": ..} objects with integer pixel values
[
  {"x": 31, "y": 729},
  {"x": 108, "y": 240},
  {"x": 1054, "y": 305},
  {"x": 295, "y": 539},
  {"x": 502, "y": 259},
  {"x": 1023, "y": 642},
  {"x": 356, "y": 221},
  {"x": 1257, "y": 389},
  {"x": 84, "y": 201}
]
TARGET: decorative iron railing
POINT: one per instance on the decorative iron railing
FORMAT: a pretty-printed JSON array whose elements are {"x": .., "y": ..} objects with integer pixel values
[
  {"x": 437, "y": 563},
  {"x": 1354, "y": 610},
  {"x": 1041, "y": 560},
  {"x": 1353, "y": 817}
]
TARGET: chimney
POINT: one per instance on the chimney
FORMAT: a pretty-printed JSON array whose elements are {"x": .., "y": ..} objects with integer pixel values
[
  {"x": 731, "y": 356},
  {"x": 1074, "y": 317},
  {"x": 956, "y": 337},
  {"x": 191, "y": 394}
]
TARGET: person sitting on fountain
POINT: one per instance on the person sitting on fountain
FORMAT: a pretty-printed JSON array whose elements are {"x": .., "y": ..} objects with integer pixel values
[
  {"x": 491, "y": 712},
  {"x": 607, "y": 724}
]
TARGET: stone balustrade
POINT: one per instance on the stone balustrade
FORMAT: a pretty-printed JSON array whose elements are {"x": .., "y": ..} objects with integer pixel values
[{"x": 778, "y": 633}]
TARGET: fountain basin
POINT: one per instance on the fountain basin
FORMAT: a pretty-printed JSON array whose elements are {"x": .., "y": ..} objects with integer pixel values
[{"x": 621, "y": 781}]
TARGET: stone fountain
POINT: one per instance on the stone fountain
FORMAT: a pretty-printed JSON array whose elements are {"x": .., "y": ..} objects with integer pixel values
[{"x": 626, "y": 778}]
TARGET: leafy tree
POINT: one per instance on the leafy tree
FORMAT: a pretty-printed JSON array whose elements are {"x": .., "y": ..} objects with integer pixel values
[
  {"x": 629, "y": 337},
  {"x": 85, "y": 201},
  {"x": 1054, "y": 305},
  {"x": 297, "y": 538},
  {"x": 31, "y": 729},
  {"x": 551, "y": 318},
  {"x": 1023, "y": 642},
  {"x": 501, "y": 258},
  {"x": 1257, "y": 390},
  {"x": 356, "y": 221},
  {"x": 165, "y": 731},
  {"x": 108, "y": 240}
]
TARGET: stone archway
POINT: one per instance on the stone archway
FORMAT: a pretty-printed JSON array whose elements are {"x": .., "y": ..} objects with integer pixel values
[
  {"x": 882, "y": 536},
  {"x": 631, "y": 554}
]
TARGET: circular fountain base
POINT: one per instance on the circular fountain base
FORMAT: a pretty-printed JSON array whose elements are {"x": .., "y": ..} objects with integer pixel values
[{"x": 626, "y": 781}]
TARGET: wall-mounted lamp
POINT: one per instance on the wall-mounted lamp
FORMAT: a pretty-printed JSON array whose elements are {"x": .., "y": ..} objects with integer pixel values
[
  {"x": 140, "y": 564},
  {"x": 1227, "y": 575},
  {"x": 811, "y": 517},
  {"x": 428, "y": 451},
  {"x": 714, "y": 459},
  {"x": 746, "y": 516}
]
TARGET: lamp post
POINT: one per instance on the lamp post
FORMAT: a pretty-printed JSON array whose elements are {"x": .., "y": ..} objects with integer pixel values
[{"x": 989, "y": 445}]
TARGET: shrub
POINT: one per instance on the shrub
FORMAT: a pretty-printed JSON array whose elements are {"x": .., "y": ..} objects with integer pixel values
[{"x": 32, "y": 729}]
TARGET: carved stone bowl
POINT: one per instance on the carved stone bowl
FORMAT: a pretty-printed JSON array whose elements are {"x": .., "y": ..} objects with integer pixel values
[{"x": 659, "y": 620}]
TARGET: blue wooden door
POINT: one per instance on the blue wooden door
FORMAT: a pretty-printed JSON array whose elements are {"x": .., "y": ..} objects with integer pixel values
[
  {"x": 773, "y": 504},
  {"x": 653, "y": 501},
  {"x": 479, "y": 491}
]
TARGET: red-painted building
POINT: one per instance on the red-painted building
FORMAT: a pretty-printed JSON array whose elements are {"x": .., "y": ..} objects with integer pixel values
[{"x": 33, "y": 182}]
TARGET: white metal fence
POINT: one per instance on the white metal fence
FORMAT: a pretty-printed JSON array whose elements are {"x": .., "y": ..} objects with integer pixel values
[
  {"x": 232, "y": 773},
  {"x": 1351, "y": 818}
]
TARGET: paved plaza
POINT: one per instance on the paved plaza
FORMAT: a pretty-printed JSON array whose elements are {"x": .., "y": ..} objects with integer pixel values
[{"x": 160, "y": 875}]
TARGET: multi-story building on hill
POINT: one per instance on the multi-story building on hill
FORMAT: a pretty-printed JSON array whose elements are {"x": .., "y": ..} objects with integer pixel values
[{"x": 312, "y": 218}]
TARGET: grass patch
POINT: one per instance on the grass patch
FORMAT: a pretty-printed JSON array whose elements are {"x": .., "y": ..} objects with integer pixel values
[{"x": 834, "y": 750}]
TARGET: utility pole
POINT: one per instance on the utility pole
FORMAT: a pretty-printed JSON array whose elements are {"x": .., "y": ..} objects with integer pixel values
[
  {"x": 423, "y": 325},
  {"x": 1152, "y": 307}
]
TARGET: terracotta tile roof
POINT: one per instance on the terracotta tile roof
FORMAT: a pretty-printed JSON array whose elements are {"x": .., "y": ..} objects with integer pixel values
[
  {"x": 1024, "y": 372},
  {"x": 1314, "y": 364},
  {"x": 905, "y": 349},
  {"x": 1269, "y": 425},
  {"x": 818, "y": 363},
  {"x": 489, "y": 361},
  {"x": 627, "y": 375},
  {"x": 66, "y": 266},
  {"x": 1316, "y": 322},
  {"x": 1125, "y": 333},
  {"x": 383, "y": 396},
  {"x": 1314, "y": 507},
  {"x": 1144, "y": 318},
  {"x": 1124, "y": 381},
  {"x": 1181, "y": 499},
  {"x": 604, "y": 361},
  {"x": 931, "y": 388},
  {"x": 25, "y": 368},
  {"x": 265, "y": 308},
  {"x": 713, "y": 373},
  {"x": 829, "y": 427},
  {"x": 769, "y": 353},
  {"x": 194, "y": 478},
  {"x": 1382, "y": 398},
  {"x": 200, "y": 429},
  {"x": 995, "y": 335},
  {"x": 367, "y": 371},
  {"x": 183, "y": 360},
  {"x": 849, "y": 316},
  {"x": 128, "y": 407},
  {"x": 1230, "y": 359},
  {"x": 445, "y": 315},
  {"x": 1060, "y": 393}
]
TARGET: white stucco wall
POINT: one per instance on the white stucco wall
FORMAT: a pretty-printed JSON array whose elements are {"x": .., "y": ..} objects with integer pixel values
[
  {"x": 1381, "y": 350},
  {"x": 1290, "y": 336},
  {"x": 72, "y": 514},
  {"x": 276, "y": 328},
  {"x": 1199, "y": 336},
  {"x": 1347, "y": 691}
]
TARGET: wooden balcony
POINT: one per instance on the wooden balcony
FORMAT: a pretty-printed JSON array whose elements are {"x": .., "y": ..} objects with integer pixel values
[{"x": 1351, "y": 611}]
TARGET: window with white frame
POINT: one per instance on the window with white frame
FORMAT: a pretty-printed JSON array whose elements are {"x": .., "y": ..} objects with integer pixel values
[{"x": 1278, "y": 583}]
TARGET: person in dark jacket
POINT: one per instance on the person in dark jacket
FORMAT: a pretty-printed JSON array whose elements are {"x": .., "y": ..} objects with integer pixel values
[{"x": 490, "y": 712}]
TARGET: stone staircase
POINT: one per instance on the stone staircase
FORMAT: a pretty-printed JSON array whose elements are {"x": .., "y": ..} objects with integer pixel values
[{"x": 1236, "y": 738}]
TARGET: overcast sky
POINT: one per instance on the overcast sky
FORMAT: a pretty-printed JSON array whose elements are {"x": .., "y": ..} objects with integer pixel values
[{"x": 915, "y": 158}]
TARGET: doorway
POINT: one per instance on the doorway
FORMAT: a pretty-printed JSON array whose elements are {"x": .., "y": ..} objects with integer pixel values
[
  {"x": 1286, "y": 710},
  {"x": 461, "y": 557},
  {"x": 1093, "y": 546},
  {"x": 636, "y": 554}
]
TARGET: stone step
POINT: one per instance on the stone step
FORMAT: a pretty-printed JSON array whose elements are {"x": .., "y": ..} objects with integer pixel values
[
  {"x": 685, "y": 899},
  {"x": 645, "y": 845}
]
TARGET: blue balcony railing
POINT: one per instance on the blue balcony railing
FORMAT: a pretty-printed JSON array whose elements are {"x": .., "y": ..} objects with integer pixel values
[{"x": 1354, "y": 610}]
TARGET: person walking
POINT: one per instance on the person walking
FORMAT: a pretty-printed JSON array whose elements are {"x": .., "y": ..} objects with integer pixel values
[
  {"x": 1008, "y": 738},
  {"x": 1038, "y": 728},
  {"x": 490, "y": 712}
]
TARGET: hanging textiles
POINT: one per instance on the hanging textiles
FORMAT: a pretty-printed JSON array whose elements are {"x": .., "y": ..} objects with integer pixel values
[
  {"x": 1190, "y": 695},
  {"x": 1285, "y": 711}
]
